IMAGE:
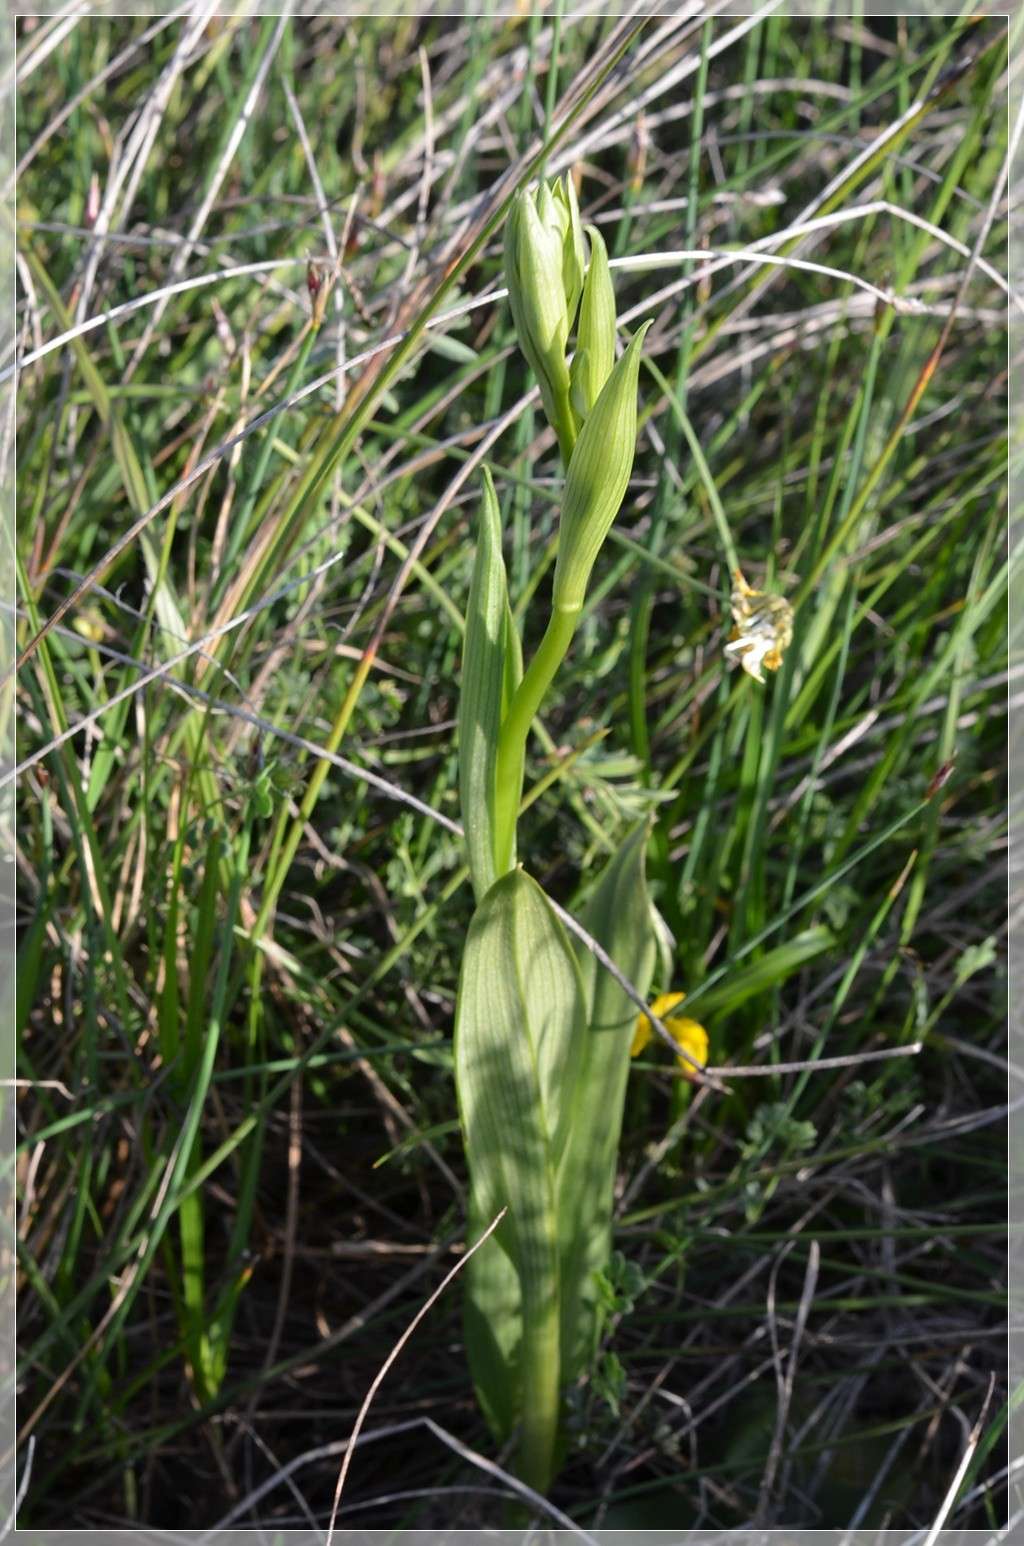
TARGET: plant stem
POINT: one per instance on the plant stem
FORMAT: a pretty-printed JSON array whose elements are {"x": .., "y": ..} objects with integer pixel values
[
  {"x": 516, "y": 728},
  {"x": 541, "y": 1377},
  {"x": 563, "y": 421}
]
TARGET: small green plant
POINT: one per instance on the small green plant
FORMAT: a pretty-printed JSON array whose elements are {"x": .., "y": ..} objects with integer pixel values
[{"x": 543, "y": 1033}]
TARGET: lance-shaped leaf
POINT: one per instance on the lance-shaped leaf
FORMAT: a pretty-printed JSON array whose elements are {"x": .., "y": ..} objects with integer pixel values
[
  {"x": 620, "y": 917},
  {"x": 519, "y": 1033},
  {"x": 595, "y": 336},
  {"x": 762, "y": 976},
  {"x": 491, "y": 670},
  {"x": 597, "y": 478}
]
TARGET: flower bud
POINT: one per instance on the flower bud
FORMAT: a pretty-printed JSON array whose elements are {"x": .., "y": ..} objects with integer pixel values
[
  {"x": 597, "y": 478},
  {"x": 544, "y": 271},
  {"x": 573, "y": 257}
]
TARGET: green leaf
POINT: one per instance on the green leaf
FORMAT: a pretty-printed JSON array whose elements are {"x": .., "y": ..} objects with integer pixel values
[
  {"x": 494, "y": 1326},
  {"x": 773, "y": 968},
  {"x": 491, "y": 669},
  {"x": 448, "y": 348},
  {"x": 512, "y": 663},
  {"x": 621, "y": 918},
  {"x": 976, "y": 958},
  {"x": 609, "y": 1382},
  {"x": 595, "y": 336},
  {"x": 520, "y": 1029},
  {"x": 597, "y": 478}
]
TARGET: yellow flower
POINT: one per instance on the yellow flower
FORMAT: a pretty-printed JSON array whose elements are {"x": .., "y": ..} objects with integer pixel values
[
  {"x": 693, "y": 1038},
  {"x": 763, "y": 631}
]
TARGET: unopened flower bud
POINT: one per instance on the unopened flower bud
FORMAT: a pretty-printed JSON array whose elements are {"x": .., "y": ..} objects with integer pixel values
[
  {"x": 573, "y": 255},
  {"x": 544, "y": 271}
]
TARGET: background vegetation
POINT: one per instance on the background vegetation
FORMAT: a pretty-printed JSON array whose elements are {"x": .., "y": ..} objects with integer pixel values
[{"x": 239, "y": 1169}]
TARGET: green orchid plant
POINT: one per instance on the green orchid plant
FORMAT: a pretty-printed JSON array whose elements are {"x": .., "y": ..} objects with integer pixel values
[{"x": 543, "y": 1033}]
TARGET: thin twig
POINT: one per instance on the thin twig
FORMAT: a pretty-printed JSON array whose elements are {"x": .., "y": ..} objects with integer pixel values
[
  {"x": 300, "y": 742},
  {"x": 785, "y": 1380},
  {"x": 696, "y": 1072},
  {"x": 815, "y": 1065},
  {"x": 397, "y": 1430},
  {"x": 378, "y": 1379},
  {"x": 712, "y": 260},
  {"x": 22, "y": 1492},
  {"x": 181, "y": 254},
  {"x": 961, "y": 1471}
]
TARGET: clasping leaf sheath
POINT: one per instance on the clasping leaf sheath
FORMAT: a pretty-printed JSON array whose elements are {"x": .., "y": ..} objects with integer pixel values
[
  {"x": 542, "y": 1051},
  {"x": 620, "y": 916},
  {"x": 595, "y": 336},
  {"x": 597, "y": 478},
  {"x": 520, "y": 1026}
]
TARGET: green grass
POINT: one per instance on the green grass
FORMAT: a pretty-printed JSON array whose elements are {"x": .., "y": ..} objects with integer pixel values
[{"x": 239, "y": 1171}]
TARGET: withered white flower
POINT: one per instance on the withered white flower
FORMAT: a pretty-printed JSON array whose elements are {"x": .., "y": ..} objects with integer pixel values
[{"x": 763, "y": 628}]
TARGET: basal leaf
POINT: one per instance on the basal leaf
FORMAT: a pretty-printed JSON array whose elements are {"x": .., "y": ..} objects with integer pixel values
[
  {"x": 620, "y": 917},
  {"x": 519, "y": 1035},
  {"x": 493, "y": 1326}
]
